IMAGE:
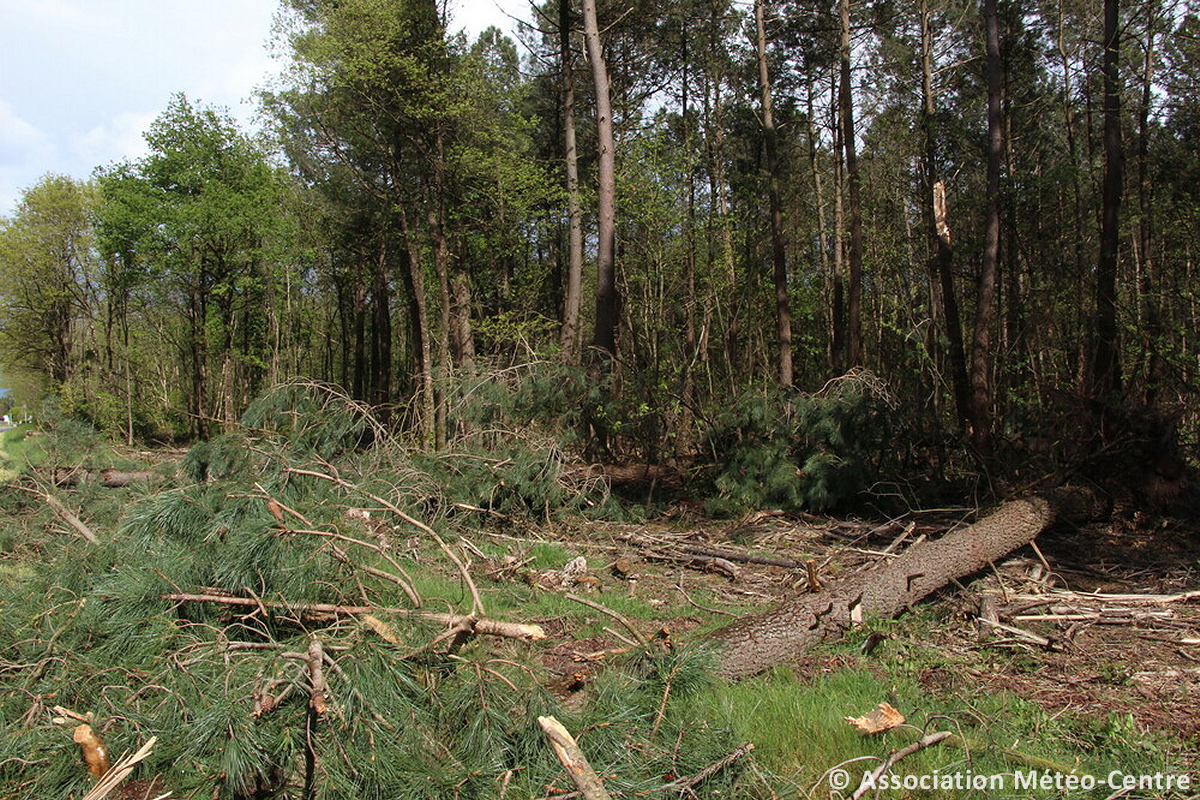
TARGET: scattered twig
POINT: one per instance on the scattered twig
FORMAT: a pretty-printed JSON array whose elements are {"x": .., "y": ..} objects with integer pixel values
[
  {"x": 641, "y": 639},
  {"x": 921, "y": 744},
  {"x": 712, "y": 769}
]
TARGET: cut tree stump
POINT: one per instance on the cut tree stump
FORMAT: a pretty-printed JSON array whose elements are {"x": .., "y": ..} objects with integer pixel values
[{"x": 758, "y": 642}]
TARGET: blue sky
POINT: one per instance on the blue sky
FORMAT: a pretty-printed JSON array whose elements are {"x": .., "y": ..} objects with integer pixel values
[{"x": 80, "y": 80}]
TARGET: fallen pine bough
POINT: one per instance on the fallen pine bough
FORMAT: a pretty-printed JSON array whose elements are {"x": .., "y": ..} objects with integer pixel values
[
  {"x": 485, "y": 627},
  {"x": 755, "y": 643}
]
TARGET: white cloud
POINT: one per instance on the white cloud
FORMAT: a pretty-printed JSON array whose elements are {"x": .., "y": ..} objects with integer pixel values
[
  {"x": 61, "y": 13},
  {"x": 20, "y": 139},
  {"x": 25, "y": 153},
  {"x": 117, "y": 138}
]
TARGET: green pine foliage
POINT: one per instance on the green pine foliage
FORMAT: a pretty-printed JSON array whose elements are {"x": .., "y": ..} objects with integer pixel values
[{"x": 778, "y": 448}]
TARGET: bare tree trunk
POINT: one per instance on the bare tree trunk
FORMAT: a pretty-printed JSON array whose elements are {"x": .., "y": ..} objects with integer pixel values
[
  {"x": 569, "y": 334},
  {"x": 819, "y": 198},
  {"x": 783, "y": 312},
  {"x": 837, "y": 342},
  {"x": 415, "y": 278},
  {"x": 1151, "y": 316},
  {"x": 605, "y": 338},
  {"x": 854, "y": 355},
  {"x": 985, "y": 310},
  {"x": 1106, "y": 364}
]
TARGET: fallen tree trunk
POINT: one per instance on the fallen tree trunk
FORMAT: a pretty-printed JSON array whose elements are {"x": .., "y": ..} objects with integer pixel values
[
  {"x": 755, "y": 643},
  {"x": 109, "y": 478}
]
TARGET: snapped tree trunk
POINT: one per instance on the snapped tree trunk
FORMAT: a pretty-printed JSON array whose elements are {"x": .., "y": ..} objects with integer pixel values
[
  {"x": 755, "y": 643},
  {"x": 937, "y": 221}
]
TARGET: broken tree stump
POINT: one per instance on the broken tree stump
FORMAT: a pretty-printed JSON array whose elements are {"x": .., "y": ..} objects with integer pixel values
[{"x": 757, "y": 642}]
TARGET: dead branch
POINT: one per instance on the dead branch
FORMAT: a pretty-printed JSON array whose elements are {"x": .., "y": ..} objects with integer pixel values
[
  {"x": 712, "y": 769},
  {"x": 568, "y": 752},
  {"x": 69, "y": 518},
  {"x": 926, "y": 741},
  {"x": 402, "y": 580},
  {"x": 318, "y": 689},
  {"x": 476, "y": 600},
  {"x": 641, "y": 639},
  {"x": 486, "y": 627},
  {"x": 1041, "y": 641},
  {"x": 711, "y": 552}
]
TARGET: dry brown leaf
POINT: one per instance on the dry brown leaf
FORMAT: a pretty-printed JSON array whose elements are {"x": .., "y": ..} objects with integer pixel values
[
  {"x": 387, "y": 632},
  {"x": 881, "y": 718}
]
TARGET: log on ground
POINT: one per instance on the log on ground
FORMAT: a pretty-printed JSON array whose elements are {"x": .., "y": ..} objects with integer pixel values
[{"x": 755, "y": 643}]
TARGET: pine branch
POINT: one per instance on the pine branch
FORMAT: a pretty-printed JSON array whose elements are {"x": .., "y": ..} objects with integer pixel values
[{"x": 486, "y": 627}]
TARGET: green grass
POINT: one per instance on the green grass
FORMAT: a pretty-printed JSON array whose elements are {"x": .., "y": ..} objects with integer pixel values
[
  {"x": 17, "y": 451},
  {"x": 798, "y": 728}
]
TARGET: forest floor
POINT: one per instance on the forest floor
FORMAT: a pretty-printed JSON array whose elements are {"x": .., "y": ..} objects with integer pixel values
[
  {"x": 1080, "y": 653},
  {"x": 1093, "y": 649}
]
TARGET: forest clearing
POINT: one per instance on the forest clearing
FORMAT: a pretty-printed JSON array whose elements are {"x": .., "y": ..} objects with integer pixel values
[
  {"x": 288, "y": 614},
  {"x": 771, "y": 399}
]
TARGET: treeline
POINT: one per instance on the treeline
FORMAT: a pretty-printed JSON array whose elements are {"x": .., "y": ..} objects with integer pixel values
[{"x": 991, "y": 206}]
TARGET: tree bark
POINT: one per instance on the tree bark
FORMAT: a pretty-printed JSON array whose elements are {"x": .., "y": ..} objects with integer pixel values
[
  {"x": 854, "y": 355},
  {"x": 783, "y": 312},
  {"x": 985, "y": 310},
  {"x": 415, "y": 278},
  {"x": 605, "y": 336},
  {"x": 1151, "y": 316},
  {"x": 942, "y": 268},
  {"x": 755, "y": 643},
  {"x": 569, "y": 334},
  {"x": 582, "y": 775},
  {"x": 1106, "y": 365}
]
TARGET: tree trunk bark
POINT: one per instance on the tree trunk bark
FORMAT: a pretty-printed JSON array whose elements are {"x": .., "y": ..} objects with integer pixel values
[
  {"x": 415, "y": 278},
  {"x": 854, "y": 355},
  {"x": 1151, "y": 316},
  {"x": 755, "y": 643},
  {"x": 605, "y": 337},
  {"x": 942, "y": 269},
  {"x": 985, "y": 310},
  {"x": 783, "y": 311},
  {"x": 1106, "y": 364},
  {"x": 569, "y": 334}
]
